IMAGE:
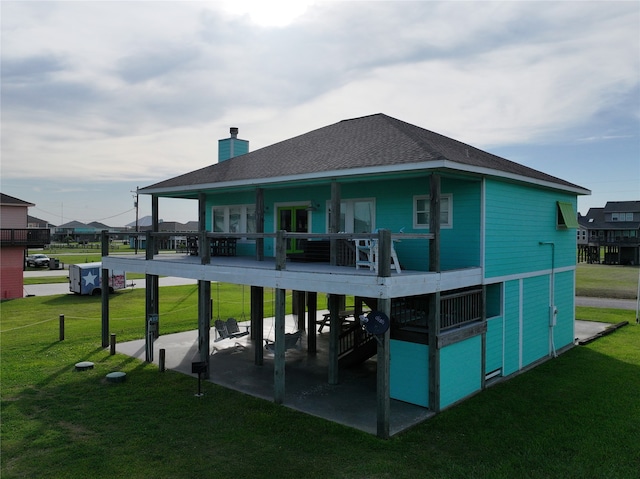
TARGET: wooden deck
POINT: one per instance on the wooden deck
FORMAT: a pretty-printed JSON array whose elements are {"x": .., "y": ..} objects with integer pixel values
[{"x": 300, "y": 276}]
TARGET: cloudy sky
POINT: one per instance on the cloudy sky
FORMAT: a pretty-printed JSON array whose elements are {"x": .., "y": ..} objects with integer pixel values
[{"x": 101, "y": 97}]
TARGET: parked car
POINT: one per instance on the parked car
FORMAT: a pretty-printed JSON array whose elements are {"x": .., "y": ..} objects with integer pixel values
[{"x": 38, "y": 261}]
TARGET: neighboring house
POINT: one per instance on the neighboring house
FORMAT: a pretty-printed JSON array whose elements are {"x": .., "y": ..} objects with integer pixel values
[
  {"x": 76, "y": 231},
  {"x": 33, "y": 222},
  {"x": 478, "y": 267},
  {"x": 176, "y": 241},
  {"x": 79, "y": 232},
  {"x": 15, "y": 239},
  {"x": 612, "y": 234}
]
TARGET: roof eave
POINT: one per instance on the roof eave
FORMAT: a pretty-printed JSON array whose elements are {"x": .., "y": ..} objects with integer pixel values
[{"x": 428, "y": 165}]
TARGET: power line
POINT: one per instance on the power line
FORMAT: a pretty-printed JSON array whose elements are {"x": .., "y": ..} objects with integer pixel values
[{"x": 86, "y": 220}]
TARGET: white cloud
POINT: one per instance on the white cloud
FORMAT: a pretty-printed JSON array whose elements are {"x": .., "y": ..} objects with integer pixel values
[
  {"x": 143, "y": 90},
  {"x": 275, "y": 13}
]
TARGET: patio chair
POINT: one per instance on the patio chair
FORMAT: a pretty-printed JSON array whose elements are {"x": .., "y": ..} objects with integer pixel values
[
  {"x": 291, "y": 340},
  {"x": 228, "y": 330},
  {"x": 367, "y": 255}
]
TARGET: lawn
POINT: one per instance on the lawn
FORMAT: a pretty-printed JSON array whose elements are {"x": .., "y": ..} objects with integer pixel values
[
  {"x": 574, "y": 416},
  {"x": 607, "y": 281}
]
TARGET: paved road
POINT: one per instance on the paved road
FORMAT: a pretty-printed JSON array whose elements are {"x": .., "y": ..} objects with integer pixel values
[
  {"x": 606, "y": 303},
  {"x": 63, "y": 288}
]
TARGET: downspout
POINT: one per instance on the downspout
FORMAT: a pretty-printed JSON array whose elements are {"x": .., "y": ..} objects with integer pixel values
[{"x": 553, "y": 311}]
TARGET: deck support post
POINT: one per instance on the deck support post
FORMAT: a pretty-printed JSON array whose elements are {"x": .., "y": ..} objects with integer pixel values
[
  {"x": 155, "y": 222},
  {"x": 383, "y": 387},
  {"x": 334, "y": 337},
  {"x": 434, "y": 224},
  {"x": 433, "y": 323},
  {"x": 204, "y": 323},
  {"x": 105, "y": 292},
  {"x": 259, "y": 223},
  {"x": 278, "y": 360},
  {"x": 312, "y": 314},
  {"x": 151, "y": 299},
  {"x": 299, "y": 307},
  {"x": 281, "y": 250},
  {"x": 334, "y": 226},
  {"x": 257, "y": 323}
]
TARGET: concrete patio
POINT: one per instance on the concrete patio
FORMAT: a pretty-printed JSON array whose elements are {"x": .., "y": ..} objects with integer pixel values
[{"x": 352, "y": 402}]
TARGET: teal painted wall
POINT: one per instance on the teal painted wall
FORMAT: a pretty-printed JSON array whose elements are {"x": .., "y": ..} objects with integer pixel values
[
  {"x": 409, "y": 372},
  {"x": 535, "y": 324},
  {"x": 460, "y": 370},
  {"x": 460, "y": 245},
  {"x": 525, "y": 324},
  {"x": 511, "y": 327},
  {"x": 517, "y": 219},
  {"x": 394, "y": 210},
  {"x": 493, "y": 357},
  {"x": 232, "y": 147},
  {"x": 563, "y": 333}
]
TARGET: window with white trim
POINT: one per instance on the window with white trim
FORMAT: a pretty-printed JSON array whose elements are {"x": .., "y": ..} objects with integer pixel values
[
  {"x": 621, "y": 216},
  {"x": 356, "y": 215},
  {"x": 234, "y": 219},
  {"x": 422, "y": 211}
]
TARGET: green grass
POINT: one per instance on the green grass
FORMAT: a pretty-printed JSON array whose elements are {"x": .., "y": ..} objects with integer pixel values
[
  {"x": 607, "y": 281},
  {"x": 572, "y": 417},
  {"x": 613, "y": 316},
  {"x": 46, "y": 280}
]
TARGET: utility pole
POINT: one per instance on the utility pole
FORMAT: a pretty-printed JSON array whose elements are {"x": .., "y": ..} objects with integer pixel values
[{"x": 135, "y": 204}]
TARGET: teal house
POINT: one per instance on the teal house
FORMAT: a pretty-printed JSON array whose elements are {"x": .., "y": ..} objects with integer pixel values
[{"x": 466, "y": 259}]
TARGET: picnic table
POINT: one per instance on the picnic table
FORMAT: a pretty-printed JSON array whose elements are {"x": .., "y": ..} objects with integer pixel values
[{"x": 345, "y": 317}]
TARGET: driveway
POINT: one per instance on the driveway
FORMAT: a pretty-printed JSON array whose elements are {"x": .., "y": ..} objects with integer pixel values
[{"x": 63, "y": 288}]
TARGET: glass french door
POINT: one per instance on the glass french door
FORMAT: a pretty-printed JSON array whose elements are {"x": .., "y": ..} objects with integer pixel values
[{"x": 294, "y": 219}]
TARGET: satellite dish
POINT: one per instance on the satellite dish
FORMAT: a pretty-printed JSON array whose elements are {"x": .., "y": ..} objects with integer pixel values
[{"x": 376, "y": 322}]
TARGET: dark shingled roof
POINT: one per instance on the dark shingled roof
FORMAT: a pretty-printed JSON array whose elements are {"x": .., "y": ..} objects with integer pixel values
[
  {"x": 11, "y": 200},
  {"x": 595, "y": 218},
  {"x": 622, "y": 207},
  {"x": 376, "y": 141}
]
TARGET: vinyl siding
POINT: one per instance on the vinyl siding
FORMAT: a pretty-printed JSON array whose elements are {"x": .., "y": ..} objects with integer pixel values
[
  {"x": 460, "y": 245},
  {"x": 11, "y": 259},
  {"x": 13, "y": 216},
  {"x": 495, "y": 342},
  {"x": 460, "y": 370},
  {"x": 409, "y": 372},
  {"x": 563, "y": 333},
  {"x": 517, "y": 219},
  {"x": 511, "y": 362},
  {"x": 535, "y": 319}
]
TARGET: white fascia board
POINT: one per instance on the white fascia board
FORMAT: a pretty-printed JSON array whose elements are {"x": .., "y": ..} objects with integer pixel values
[
  {"x": 428, "y": 165},
  {"x": 511, "y": 176}
]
